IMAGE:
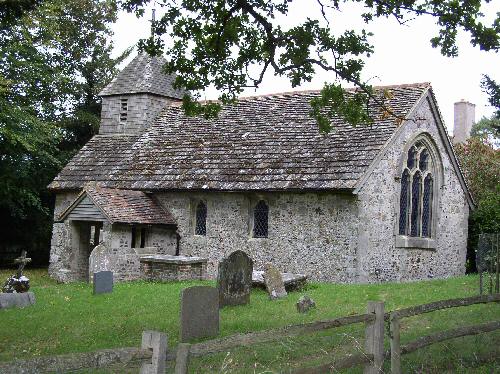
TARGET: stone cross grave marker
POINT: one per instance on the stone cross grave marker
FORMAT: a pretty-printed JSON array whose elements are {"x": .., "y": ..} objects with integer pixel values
[
  {"x": 234, "y": 279},
  {"x": 274, "y": 282},
  {"x": 103, "y": 282},
  {"x": 22, "y": 261},
  {"x": 199, "y": 313}
]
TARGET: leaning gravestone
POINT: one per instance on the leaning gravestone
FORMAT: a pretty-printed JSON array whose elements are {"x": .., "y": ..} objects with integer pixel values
[
  {"x": 234, "y": 279},
  {"x": 199, "y": 313},
  {"x": 103, "y": 282},
  {"x": 274, "y": 282}
]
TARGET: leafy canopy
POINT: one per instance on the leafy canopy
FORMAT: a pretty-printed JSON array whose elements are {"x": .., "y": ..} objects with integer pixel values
[
  {"x": 231, "y": 44},
  {"x": 55, "y": 56}
]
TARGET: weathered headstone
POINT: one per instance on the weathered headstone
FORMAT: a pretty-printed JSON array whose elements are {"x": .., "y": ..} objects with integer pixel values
[
  {"x": 103, "y": 282},
  {"x": 234, "y": 279},
  {"x": 16, "y": 300},
  {"x": 199, "y": 313},
  {"x": 274, "y": 282},
  {"x": 305, "y": 303}
]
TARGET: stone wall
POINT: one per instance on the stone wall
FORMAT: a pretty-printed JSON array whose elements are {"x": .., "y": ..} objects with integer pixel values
[
  {"x": 160, "y": 270},
  {"x": 70, "y": 252},
  {"x": 379, "y": 259},
  {"x": 309, "y": 233},
  {"x": 123, "y": 262}
]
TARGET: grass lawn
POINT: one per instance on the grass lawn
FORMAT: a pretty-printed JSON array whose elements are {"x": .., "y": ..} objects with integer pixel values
[{"x": 68, "y": 318}]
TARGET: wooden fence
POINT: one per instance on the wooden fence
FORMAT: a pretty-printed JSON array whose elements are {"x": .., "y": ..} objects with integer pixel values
[
  {"x": 395, "y": 317},
  {"x": 154, "y": 353}
]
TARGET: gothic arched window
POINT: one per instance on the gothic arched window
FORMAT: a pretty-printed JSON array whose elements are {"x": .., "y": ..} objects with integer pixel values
[
  {"x": 201, "y": 219},
  {"x": 260, "y": 220},
  {"x": 415, "y": 201}
]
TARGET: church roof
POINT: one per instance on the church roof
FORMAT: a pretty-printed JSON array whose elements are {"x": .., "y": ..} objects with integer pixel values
[
  {"x": 122, "y": 206},
  {"x": 144, "y": 74},
  {"x": 259, "y": 143}
]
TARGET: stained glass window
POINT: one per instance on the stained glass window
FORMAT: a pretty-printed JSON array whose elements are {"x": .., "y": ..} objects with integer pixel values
[
  {"x": 415, "y": 204},
  {"x": 423, "y": 160},
  {"x": 260, "y": 220},
  {"x": 426, "y": 207},
  {"x": 404, "y": 202},
  {"x": 412, "y": 154},
  {"x": 201, "y": 219},
  {"x": 415, "y": 201}
]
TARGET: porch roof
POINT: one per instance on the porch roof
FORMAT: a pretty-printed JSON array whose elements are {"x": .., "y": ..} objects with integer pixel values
[{"x": 123, "y": 206}]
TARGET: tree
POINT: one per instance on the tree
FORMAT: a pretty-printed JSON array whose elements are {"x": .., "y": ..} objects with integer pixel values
[
  {"x": 480, "y": 163},
  {"x": 492, "y": 89},
  {"x": 54, "y": 59},
  {"x": 231, "y": 44},
  {"x": 488, "y": 128}
]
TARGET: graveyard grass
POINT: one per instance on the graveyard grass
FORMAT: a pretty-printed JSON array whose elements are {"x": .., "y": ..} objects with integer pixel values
[{"x": 67, "y": 318}]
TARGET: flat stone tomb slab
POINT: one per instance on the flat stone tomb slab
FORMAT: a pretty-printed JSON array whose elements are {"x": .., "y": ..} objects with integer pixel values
[
  {"x": 234, "y": 279},
  {"x": 103, "y": 282},
  {"x": 291, "y": 281},
  {"x": 16, "y": 300},
  {"x": 199, "y": 313}
]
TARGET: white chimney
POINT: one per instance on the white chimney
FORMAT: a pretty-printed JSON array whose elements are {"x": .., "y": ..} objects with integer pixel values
[{"x": 464, "y": 118}]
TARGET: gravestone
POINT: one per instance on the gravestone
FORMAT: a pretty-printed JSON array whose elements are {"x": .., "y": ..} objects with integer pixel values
[
  {"x": 103, "y": 282},
  {"x": 274, "y": 282},
  {"x": 18, "y": 283},
  {"x": 305, "y": 303},
  {"x": 234, "y": 279},
  {"x": 199, "y": 313},
  {"x": 16, "y": 300}
]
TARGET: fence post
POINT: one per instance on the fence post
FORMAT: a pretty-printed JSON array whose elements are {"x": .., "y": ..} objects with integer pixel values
[
  {"x": 395, "y": 344},
  {"x": 182, "y": 358},
  {"x": 157, "y": 342},
  {"x": 374, "y": 338}
]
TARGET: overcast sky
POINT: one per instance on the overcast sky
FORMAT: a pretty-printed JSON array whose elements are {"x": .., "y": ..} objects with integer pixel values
[{"x": 403, "y": 54}]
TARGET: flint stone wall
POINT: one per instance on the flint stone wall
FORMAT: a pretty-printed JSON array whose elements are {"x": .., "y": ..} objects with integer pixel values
[
  {"x": 70, "y": 260},
  {"x": 379, "y": 258},
  {"x": 311, "y": 233},
  {"x": 123, "y": 262}
]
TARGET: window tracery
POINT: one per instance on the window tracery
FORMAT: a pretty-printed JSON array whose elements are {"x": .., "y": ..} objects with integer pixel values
[{"x": 416, "y": 197}]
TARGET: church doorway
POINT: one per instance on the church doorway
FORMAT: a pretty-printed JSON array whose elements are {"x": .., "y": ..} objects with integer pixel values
[{"x": 86, "y": 235}]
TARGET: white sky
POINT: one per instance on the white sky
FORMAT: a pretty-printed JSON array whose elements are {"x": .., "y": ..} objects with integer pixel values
[{"x": 403, "y": 54}]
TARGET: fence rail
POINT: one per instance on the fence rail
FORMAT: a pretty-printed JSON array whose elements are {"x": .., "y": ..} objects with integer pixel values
[
  {"x": 374, "y": 321},
  {"x": 395, "y": 323}
]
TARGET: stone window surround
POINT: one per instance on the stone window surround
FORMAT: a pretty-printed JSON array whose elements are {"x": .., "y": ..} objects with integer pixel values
[
  {"x": 194, "y": 201},
  {"x": 253, "y": 201},
  {"x": 404, "y": 241}
]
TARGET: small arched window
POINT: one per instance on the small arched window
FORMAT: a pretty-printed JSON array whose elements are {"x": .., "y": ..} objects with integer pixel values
[
  {"x": 201, "y": 219},
  {"x": 415, "y": 202},
  {"x": 260, "y": 220}
]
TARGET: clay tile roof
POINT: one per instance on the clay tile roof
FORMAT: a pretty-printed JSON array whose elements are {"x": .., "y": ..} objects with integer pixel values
[
  {"x": 143, "y": 74},
  {"x": 259, "y": 143},
  {"x": 125, "y": 206}
]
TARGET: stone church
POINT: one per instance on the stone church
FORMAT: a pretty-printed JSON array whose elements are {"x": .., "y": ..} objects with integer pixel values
[{"x": 384, "y": 202}]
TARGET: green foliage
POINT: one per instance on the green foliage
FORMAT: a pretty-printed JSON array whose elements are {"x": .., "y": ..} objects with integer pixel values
[
  {"x": 231, "y": 45},
  {"x": 54, "y": 60},
  {"x": 481, "y": 165},
  {"x": 68, "y": 318},
  {"x": 492, "y": 88},
  {"x": 488, "y": 128}
]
